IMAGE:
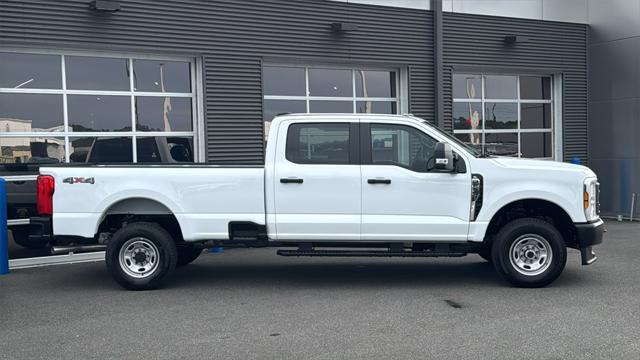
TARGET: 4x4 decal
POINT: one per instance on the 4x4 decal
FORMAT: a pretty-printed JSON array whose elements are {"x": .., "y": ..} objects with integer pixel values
[{"x": 79, "y": 180}]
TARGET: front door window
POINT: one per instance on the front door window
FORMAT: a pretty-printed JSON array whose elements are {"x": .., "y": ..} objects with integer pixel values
[{"x": 401, "y": 145}]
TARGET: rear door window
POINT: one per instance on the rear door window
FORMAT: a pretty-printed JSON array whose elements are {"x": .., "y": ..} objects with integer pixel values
[{"x": 327, "y": 143}]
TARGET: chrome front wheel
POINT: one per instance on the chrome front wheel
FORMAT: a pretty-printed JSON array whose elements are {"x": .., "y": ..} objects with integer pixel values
[{"x": 530, "y": 254}]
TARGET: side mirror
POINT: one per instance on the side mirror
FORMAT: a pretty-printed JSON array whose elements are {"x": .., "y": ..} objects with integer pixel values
[{"x": 443, "y": 158}]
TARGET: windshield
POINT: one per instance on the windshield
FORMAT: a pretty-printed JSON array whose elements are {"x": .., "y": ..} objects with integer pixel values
[{"x": 473, "y": 151}]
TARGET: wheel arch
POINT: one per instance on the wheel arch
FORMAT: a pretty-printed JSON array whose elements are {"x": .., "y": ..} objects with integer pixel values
[
  {"x": 139, "y": 208},
  {"x": 543, "y": 209},
  {"x": 137, "y": 205}
]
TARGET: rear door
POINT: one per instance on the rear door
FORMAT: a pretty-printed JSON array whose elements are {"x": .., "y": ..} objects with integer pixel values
[
  {"x": 401, "y": 199},
  {"x": 317, "y": 190}
]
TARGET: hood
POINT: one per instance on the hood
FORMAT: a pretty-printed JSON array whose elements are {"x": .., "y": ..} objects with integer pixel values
[{"x": 542, "y": 165}]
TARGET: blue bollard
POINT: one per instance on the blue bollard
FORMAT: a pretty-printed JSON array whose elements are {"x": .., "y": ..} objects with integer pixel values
[
  {"x": 4, "y": 232},
  {"x": 216, "y": 250}
]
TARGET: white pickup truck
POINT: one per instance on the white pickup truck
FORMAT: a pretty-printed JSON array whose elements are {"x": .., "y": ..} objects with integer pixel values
[{"x": 332, "y": 185}]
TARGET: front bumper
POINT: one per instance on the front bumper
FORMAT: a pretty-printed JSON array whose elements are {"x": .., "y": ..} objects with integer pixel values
[{"x": 588, "y": 235}]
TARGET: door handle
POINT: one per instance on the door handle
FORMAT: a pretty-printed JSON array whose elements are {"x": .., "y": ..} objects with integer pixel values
[
  {"x": 379, "y": 181},
  {"x": 291, "y": 181}
]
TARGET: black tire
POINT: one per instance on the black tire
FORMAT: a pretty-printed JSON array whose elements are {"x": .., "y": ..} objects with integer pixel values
[
  {"x": 485, "y": 253},
  {"x": 21, "y": 237},
  {"x": 141, "y": 236},
  {"x": 533, "y": 237},
  {"x": 187, "y": 253}
]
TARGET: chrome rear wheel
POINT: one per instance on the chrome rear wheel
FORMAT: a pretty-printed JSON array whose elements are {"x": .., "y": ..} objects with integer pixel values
[{"x": 139, "y": 257}]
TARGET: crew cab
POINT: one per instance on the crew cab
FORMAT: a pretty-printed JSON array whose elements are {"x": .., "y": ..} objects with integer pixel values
[{"x": 332, "y": 185}]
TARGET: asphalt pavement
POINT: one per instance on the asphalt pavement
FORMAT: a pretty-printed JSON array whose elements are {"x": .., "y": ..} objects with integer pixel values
[{"x": 253, "y": 304}]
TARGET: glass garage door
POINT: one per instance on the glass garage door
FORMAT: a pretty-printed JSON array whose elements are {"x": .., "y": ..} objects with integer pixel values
[
  {"x": 322, "y": 89},
  {"x": 507, "y": 115},
  {"x": 74, "y": 107}
]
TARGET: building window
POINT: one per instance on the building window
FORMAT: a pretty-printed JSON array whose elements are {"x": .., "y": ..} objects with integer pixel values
[
  {"x": 504, "y": 114},
  {"x": 322, "y": 89},
  {"x": 74, "y": 107}
]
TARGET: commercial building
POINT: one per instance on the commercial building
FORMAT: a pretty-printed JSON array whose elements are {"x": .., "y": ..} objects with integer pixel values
[{"x": 204, "y": 78}]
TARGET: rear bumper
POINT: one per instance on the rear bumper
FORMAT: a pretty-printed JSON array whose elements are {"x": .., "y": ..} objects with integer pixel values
[{"x": 588, "y": 235}]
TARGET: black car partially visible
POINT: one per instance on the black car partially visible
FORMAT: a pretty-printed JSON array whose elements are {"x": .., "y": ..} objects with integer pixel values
[{"x": 21, "y": 201}]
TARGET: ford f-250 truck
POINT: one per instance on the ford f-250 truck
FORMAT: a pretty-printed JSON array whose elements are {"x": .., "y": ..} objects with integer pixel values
[{"x": 332, "y": 185}]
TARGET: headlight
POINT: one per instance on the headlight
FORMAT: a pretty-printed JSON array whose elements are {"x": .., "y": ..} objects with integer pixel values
[{"x": 590, "y": 199}]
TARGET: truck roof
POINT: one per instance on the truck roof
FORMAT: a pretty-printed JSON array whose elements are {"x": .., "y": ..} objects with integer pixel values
[{"x": 407, "y": 117}]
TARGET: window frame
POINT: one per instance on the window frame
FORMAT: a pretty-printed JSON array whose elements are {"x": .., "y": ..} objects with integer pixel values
[
  {"x": 552, "y": 130},
  {"x": 353, "y": 147},
  {"x": 197, "y": 108}
]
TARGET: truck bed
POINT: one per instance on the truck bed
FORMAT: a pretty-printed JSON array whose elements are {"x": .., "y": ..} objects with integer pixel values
[{"x": 203, "y": 198}]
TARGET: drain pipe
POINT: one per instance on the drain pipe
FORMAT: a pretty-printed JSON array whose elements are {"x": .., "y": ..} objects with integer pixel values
[
  {"x": 632, "y": 209},
  {"x": 633, "y": 206},
  {"x": 438, "y": 71}
]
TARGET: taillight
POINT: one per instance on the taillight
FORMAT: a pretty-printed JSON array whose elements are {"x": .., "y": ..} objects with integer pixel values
[{"x": 46, "y": 186}]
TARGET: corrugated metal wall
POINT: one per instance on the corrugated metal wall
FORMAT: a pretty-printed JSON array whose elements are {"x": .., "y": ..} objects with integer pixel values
[
  {"x": 233, "y": 37},
  {"x": 475, "y": 40}
]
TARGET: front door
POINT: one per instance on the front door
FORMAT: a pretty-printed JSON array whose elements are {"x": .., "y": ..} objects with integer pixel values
[
  {"x": 317, "y": 192},
  {"x": 401, "y": 199}
]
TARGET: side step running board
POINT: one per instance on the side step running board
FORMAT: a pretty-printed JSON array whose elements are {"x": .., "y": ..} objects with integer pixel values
[
  {"x": 58, "y": 250},
  {"x": 368, "y": 253}
]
